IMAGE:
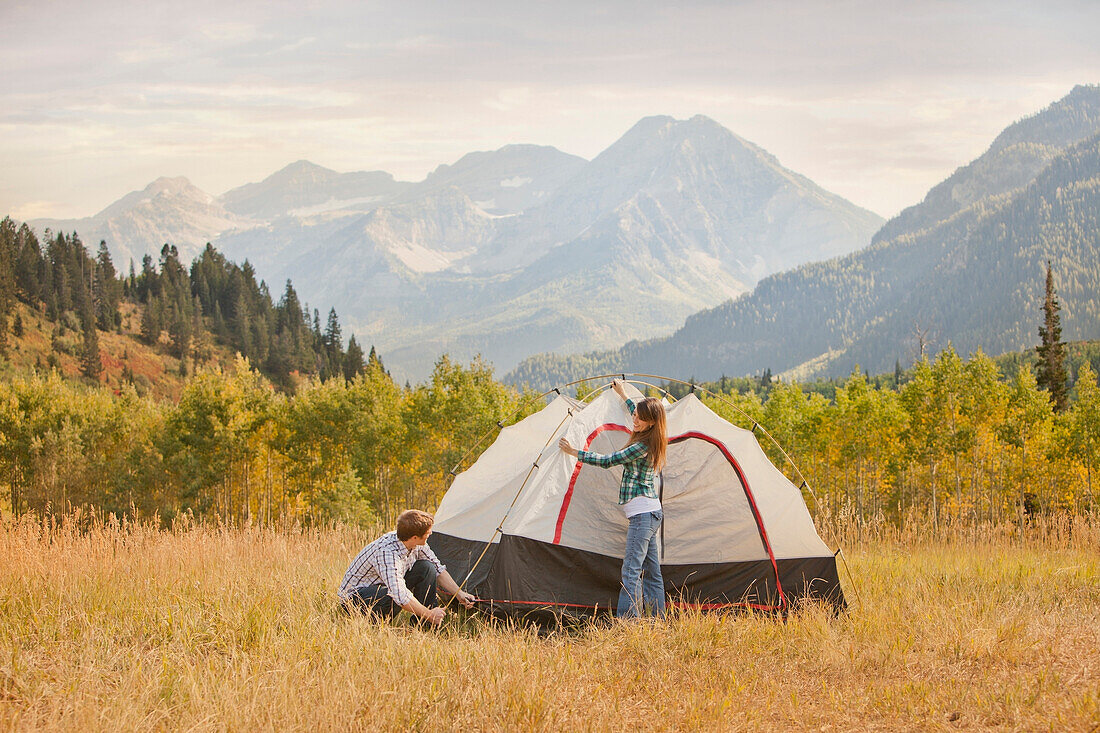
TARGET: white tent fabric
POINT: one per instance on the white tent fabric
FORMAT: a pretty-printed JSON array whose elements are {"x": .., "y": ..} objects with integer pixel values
[{"x": 708, "y": 517}]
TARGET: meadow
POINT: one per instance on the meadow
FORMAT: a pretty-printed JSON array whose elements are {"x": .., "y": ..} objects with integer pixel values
[{"x": 124, "y": 626}]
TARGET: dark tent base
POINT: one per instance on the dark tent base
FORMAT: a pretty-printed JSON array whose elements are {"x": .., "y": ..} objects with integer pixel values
[{"x": 524, "y": 577}]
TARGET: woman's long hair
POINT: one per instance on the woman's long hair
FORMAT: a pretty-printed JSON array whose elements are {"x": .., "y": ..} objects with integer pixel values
[{"x": 655, "y": 436}]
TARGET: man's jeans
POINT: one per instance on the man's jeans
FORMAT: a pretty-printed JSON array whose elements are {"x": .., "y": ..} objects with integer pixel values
[
  {"x": 642, "y": 581},
  {"x": 376, "y": 599}
]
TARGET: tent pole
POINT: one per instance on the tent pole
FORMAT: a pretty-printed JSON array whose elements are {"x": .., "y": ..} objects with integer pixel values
[
  {"x": 500, "y": 527},
  {"x": 840, "y": 553}
]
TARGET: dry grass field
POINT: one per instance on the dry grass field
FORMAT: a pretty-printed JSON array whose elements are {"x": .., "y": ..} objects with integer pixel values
[{"x": 205, "y": 628}]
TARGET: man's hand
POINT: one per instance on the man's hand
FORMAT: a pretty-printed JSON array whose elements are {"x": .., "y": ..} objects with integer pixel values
[
  {"x": 465, "y": 599},
  {"x": 434, "y": 616},
  {"x": 567, "y": 447}
]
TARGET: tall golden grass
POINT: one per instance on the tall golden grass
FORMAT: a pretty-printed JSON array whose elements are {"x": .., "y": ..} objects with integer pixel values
[{"x": 121, "y": 626}]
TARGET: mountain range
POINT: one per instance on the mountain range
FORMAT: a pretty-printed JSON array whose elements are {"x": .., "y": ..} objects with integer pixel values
[
  {"x": 964, "y": 266},
  {"x": 514, "y": 251}
]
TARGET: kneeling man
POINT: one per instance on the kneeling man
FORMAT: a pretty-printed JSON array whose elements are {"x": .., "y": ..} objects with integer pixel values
[{"x": 398, "y": 570}]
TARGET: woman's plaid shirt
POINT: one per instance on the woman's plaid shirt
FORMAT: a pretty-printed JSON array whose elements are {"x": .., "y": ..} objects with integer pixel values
[{"x": 637, "y": 471}]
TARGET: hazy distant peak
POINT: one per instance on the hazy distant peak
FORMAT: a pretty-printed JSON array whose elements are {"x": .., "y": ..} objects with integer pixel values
[
  {"x": 177, "y": 186},
  {"x": 527, "y": 148},
  {"x": 651, "y": 124},
  {"x": 510, "y": 155},
  {"x": 1016, "y": 156},
  {"x": 505, "y": 181},
  {"x": 652, "y": 134},
  {"x": 169, "y": 183},
  {"x": 303, "y": 165},
  {"x": 301, "y": 170},
  {"x": 306, "y": 186},
  {"x": 1071, "y": 119}
]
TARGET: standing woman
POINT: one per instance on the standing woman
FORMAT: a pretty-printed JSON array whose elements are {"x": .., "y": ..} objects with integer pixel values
[{"x": 643, "y": 587}]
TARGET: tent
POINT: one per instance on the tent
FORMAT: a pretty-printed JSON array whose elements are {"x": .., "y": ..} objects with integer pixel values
[{"x": 528, "y": 527}]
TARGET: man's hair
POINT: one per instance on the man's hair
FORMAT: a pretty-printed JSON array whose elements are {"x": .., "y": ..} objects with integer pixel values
[{"x": 413, "y": 523}]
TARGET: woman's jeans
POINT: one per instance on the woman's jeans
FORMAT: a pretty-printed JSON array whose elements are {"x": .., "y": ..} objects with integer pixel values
[{"x": 643, "y": 586}]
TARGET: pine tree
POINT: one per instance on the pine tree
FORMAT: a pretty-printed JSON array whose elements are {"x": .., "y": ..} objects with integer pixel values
[
  {"x": 374, "y": 362},
  {"x": 150, "y": 322},
  {"x": 765, "y": 379},
  {"x": 91, "y": 365},
  {"x": 7, "y": 278},
  {"x": 353, "y": 360},
  {"x": 131, "y": 281},
  {"x": 30, "y": 268},
  {"x": 333, "y": 338},
  {"x": 1051, "y": 372},
  {"x": 105, "y": 290},
  {"x": 219, "y": 327},
  {"x": 180, "y": 332}
]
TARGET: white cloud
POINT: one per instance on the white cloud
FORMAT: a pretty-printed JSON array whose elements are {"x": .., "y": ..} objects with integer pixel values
[
  {"x": 230, "y": 32},
  {"x": 509, "y": 99},
  {"x": 874, "y": 99},
  {"x": 34, "y": 210},
  {"x": 146, "y": 51},
  {"x": 300, "y": 43}
]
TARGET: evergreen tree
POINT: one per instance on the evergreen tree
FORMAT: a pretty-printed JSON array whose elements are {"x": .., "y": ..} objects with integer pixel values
[
  {"x": 219, "y": 323},
  {"x": 289, "y": 313},
  {"x": 374, "y": 363},
  {"x": 7, "y": 278},
  {"x": 242, "y": 336},
  {"x": 334, "y": 346},
  {"x": 91, "y": 365},
  {"x": 150, "y": 322},
  {"x": 353, "y": 360},
  {"x": 1051, "y": 372},
  {"x": 147, "y": 283},
  {"x": 179, "y": 331},
  {"x": 106, "y": 290},
  {"x": 765, "y": 379},
  {"x": 62, "y": 290}
]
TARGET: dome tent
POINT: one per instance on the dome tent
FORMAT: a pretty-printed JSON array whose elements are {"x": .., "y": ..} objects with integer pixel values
[{"x": 528, "y": 527}]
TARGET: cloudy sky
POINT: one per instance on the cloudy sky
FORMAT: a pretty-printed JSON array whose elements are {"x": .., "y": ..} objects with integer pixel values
[{"x": 875, "y": 100}]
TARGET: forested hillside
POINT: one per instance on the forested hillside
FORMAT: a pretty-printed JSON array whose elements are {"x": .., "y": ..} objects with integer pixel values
[
  {"x": 58, "y": 292},
  {"x": 965, "y": 267}
]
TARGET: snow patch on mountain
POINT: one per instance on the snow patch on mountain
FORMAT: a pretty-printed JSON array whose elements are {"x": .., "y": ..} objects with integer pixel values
[
  {"x": 421, "y": 259},
  {"x": 337, "y": 205}
]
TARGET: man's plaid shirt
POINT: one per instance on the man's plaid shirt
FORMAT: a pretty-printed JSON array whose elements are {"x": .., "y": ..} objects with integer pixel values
[
  {"x": 637, "y": 471},
  {"x": 385, "y": 562}
]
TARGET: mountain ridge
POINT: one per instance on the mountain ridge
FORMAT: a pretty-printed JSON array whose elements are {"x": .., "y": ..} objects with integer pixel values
[
  {"x": 500, "y": 251},
  {"x": 860, "y": 308}
]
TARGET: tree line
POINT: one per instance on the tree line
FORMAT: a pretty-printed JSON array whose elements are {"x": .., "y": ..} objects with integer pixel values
[
  {"x": 183, "y": 310},
  {"x": 954, "y": 441},
  {"x": 236, "y": 448}
]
